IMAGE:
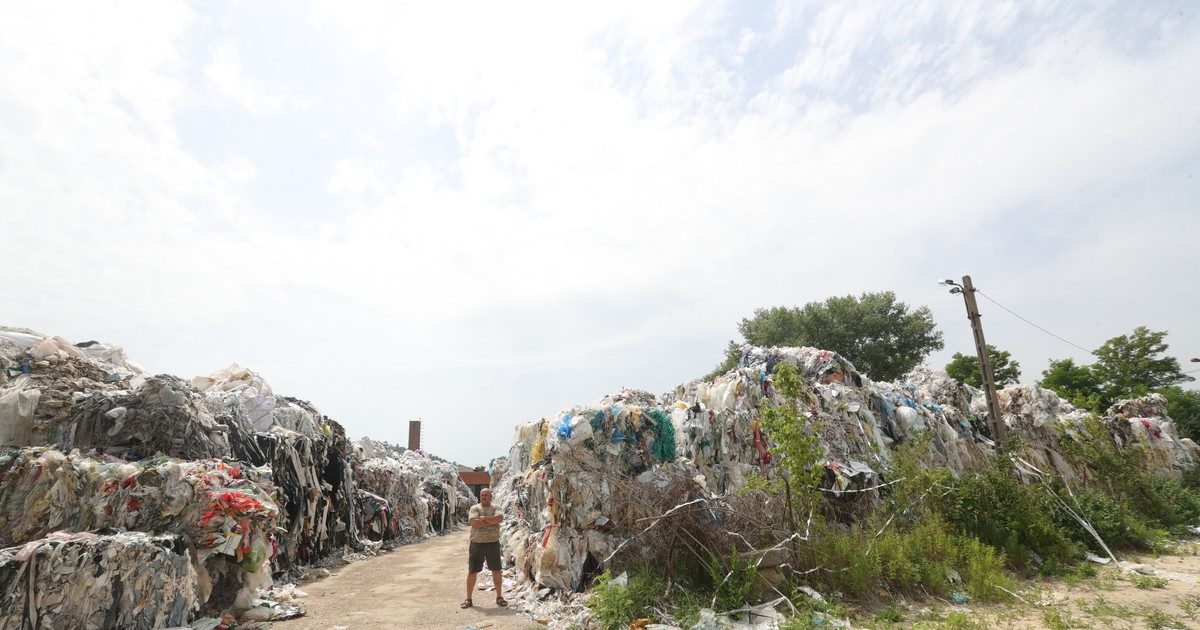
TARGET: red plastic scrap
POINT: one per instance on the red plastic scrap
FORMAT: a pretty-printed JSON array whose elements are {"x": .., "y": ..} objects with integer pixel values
[{"x": 760, "y": 443}]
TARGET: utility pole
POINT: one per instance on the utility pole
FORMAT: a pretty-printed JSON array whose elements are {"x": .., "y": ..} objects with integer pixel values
[{"x": 999, "y": 431}]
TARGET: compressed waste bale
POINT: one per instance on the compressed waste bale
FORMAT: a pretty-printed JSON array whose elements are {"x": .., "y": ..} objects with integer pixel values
[
  {"x": 1144, "y": 420},
  {"x": 165, "y": 415},
  {"x": 226, "y": 511},
  {"x": 123, "y": 580},
  {"x": 309, "y": 454},
  {"x": 401, "y": 486},
  {"x": 56, "y": 373},
  {"x": 249, "y": 386},
  {"x": 318, "y": 493},
  {"x": 424, "y": 495}
]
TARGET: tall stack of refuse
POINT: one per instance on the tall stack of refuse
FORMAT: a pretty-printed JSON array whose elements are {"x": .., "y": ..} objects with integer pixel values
[
  {"x": 564, "y": 470},
  {"x": 421, "y": 496},
  {"x": 199, "y": 493}
]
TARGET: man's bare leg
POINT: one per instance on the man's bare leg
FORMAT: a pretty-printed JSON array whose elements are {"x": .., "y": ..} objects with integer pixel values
[
  {"x": 471, "y": 584},
  {"x": 498, "y": 581}
]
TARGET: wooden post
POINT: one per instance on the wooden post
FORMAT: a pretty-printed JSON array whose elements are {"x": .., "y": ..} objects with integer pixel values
[{"x": 999, "y": 431}]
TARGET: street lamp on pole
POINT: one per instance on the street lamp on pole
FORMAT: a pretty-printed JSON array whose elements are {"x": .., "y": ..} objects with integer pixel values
[{"x": 967, "y": 290}]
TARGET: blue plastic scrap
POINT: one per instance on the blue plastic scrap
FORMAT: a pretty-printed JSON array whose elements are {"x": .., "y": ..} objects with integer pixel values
[{"x": 564, "y": 427}]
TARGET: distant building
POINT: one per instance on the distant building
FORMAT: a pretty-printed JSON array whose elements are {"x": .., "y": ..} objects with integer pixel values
[{"x": 476, "y": 478}]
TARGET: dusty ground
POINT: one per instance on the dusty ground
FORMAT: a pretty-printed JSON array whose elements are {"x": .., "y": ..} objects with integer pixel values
[
  {"x": 415, "y": 586},
  {"x": 1111, "y": 599},
  {"x": 421, "y": 585}
]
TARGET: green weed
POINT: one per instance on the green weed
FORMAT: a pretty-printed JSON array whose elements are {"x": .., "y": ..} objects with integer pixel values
[
  {"x": 732, "y": 584},
  {"x": 918, "y": 559},
  {"x": 1082, "y": 571},
  {"x": 1056, "y": 619},
  {"x": 959, "y": 620},
  {"x": 1159, "y": 620},
  {"x": 1190, "y": 604},
  {"x": 1101, "y": 608},
  {"x": 615, "y": 605},
  {"x": 891, "y": 614},
  {"x": 1148, "y": 581}
]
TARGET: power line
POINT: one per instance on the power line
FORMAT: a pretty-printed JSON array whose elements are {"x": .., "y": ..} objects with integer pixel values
[{"x": 1010, "y": 311}]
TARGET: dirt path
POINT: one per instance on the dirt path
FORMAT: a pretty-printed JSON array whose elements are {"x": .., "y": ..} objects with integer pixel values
[{"x": 415, "y": 586}]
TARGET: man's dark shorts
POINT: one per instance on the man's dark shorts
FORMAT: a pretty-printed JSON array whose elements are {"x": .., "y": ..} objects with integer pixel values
[{"x": 481, "y": 551}]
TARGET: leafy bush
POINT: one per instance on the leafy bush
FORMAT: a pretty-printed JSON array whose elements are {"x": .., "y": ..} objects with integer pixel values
[
  {"x": 1157, "y": 500},
  {"x": 1018, "y": 519},
  {"x": 1116, "y": 523}
]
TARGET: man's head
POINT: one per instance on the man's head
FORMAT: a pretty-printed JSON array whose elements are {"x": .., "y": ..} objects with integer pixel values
[{"x": 485, "y": 497}]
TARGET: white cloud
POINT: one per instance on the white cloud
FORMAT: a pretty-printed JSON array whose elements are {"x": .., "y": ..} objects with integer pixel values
[
  {"x": 533, "y": 206},
  {"x": 228, "y": 79}
]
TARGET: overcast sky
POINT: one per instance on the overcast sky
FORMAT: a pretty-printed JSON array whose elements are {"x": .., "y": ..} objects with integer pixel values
[{"x": 480, "y": 214}]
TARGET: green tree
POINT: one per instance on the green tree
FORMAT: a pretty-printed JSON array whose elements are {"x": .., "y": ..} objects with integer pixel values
[
  {"x": 883, "y": 337},
  {"x": 1126, "y": 366},
  {"x": 1133, "y": 365},
  {"x": 1183, "y": 405},
  {"x": 965, "y": 368},
  {"x": 1077, "y": 384}
]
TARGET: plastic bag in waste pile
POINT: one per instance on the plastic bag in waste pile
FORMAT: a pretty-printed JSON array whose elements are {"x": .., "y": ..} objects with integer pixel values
[
  {"x": 125, "y": 580},
  {"x": 165, "y": 415},
  {"x": 374, "y": 515},
  {"x": 17, "y": 404},
  {"x": 262, "y": 407}
]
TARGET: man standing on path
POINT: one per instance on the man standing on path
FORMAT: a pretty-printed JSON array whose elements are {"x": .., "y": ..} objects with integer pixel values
[{"x": 485, "y": 545}]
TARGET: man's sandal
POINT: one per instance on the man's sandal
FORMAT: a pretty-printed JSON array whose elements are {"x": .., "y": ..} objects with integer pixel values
[
  {"x": 466, "y": 604},
  {"x": 500, "y": 601}
]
